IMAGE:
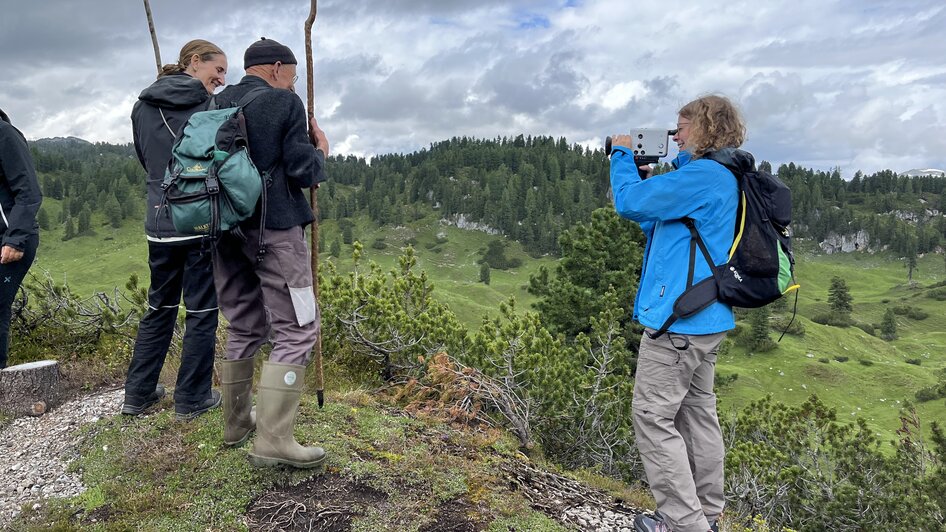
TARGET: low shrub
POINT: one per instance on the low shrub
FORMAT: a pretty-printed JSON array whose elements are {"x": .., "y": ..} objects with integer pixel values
[
  {"x": 833, "y": 319},
  {"x": 841, "y": 358},
  {"x": 865, "y": 362},
  {"x": 930, "y": 393},
  {"x": 785, "y": 324},
  {"x": 913, "y": 313},
  {"x": 939, "y": 294},
  {"x": 914, "y": 361}
]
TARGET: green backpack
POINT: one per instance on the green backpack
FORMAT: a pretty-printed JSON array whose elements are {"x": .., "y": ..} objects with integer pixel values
[{"x": 211, "y": 184}]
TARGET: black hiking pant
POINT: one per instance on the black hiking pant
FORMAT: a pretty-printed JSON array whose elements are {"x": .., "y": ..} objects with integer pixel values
[
  {"x": 11, "y": 276},
  {"x": 175, "y": 270}
]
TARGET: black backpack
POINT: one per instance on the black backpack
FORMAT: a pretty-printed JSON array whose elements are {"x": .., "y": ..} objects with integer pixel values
[{"x": 761, "y": 266}]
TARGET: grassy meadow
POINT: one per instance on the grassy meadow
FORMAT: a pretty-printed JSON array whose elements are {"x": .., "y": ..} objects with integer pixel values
[{"x": 860, "y": 375}]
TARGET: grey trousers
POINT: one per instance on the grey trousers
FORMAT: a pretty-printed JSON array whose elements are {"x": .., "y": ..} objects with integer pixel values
[
  {"x": 677, "y": 430},
  {"x": 270, "y": 300}
]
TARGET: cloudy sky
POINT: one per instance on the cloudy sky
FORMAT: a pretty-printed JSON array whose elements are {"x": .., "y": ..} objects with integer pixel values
[{"x": 858, "y": 84}]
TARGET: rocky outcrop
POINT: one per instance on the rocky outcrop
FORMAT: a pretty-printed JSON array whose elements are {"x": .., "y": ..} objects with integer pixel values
[
  {"x": 915, "y": 217},
  {"x": 835, "y": 243},
  {"x": 461, "y": 221}
]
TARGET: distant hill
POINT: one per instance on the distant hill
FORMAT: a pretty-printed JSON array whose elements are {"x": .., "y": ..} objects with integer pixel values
[
  {"x": 61, "y": 141},
  {"x": 925, "y": 172}
]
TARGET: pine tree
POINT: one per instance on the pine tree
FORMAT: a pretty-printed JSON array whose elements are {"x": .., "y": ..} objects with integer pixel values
[
  {"x": 336, "y": 248},
  {"x": 596, "y": 257},
  {"x": 42, "y": 217},
  {"x": 113, "y": 211},
  {"x": 839, "y": 297},
  {"x": 888, "y": 327},
  {"x": 759, "y": 339},
  {"x": 64, "y": 211},
  {"x": 85, "y": 221},
  {"x": 70, "y": 231},
  {"x": 484, "y": 273}
]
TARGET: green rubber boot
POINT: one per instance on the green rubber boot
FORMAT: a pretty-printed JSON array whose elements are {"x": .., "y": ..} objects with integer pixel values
[
  {"x": 280, "y": 388},
  {"x": 236, "y": 383}
]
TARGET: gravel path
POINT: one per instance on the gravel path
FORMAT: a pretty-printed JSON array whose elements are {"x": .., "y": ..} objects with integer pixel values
[{"x": 35, "y": 452}]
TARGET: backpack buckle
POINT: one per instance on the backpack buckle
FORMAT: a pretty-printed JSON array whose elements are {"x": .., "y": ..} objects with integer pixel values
[{"x": 213, "y": 185}]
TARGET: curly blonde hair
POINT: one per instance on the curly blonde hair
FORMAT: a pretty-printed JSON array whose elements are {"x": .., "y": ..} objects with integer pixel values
[{"x": 715, "y": 123}]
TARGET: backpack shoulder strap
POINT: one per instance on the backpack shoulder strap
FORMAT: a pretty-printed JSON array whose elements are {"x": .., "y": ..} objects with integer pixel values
[{"x": 251, "y": 95}]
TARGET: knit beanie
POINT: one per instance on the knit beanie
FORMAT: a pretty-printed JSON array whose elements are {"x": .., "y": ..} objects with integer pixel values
[
  {"x": 4, "y": 117},
  {"x": 266, "y": 52}
]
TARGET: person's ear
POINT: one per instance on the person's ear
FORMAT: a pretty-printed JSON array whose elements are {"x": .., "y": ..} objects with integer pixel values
[{"x": 195, "y": 60}]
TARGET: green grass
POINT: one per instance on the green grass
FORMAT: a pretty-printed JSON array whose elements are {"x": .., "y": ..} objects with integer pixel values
[
  {"x": 877, "y": 392},
  {"x": 156, "y": 473},
  {"x": 451, "y": 266},
  {"x": 94, "y": 263}
]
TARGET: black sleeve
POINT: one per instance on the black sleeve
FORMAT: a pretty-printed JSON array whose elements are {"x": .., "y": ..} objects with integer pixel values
[
  {"x": 20, "y": 177},
  {"x": 136, "y": 130},
  {"x": 302, "y": 162}
]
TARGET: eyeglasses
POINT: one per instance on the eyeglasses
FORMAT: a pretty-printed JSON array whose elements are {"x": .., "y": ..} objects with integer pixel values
[{"x": 680, "y": 126}]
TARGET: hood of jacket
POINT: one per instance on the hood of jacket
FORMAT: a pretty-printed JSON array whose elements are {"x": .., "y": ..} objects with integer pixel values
[
  {"x": 178, "y": 91},
  {"x": 735, "y": 160}
]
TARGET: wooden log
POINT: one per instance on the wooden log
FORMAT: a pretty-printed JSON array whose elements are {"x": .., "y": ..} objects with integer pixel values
[{"x": 30, "y": 389}]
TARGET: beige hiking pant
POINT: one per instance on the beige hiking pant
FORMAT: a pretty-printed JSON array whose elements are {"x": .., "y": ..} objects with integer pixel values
[{"x": 677, "y": 430}]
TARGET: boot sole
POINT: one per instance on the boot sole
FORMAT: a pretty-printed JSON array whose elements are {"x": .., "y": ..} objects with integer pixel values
[
  {"x": 129, "y": 410},
  {"x": 240, "y": 442},
  {"x": 265, "y": 461},
  {"x": 187, "y": 416}
]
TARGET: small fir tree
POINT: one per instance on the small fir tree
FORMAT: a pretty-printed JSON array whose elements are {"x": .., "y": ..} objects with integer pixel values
[
  {"x": 484, "y": 273},
  {"x": 42, "y": 217},
  {"x": 759, "y": 339},
  {"x": 839, "y": 297},
  {"x": 70, "y": 231},
  {"x": 888, "y": 327},
  {"x": 336, "y": 249}
]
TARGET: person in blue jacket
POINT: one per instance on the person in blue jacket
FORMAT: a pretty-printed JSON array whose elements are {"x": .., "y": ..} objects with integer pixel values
[
  {"x": 20, "y": 199},
  {"x": 674, "y": 407}
]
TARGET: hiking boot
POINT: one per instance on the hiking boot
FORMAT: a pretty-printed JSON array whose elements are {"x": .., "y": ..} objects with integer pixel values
[
  {"x": 236, "y": 384},
  {"x": 277, "y": 403},
  {"x": 643, "y": 523},
  {"x": 135, "y": 407},
  {"x": 186, "y": 412},
  {"x": 657, "y": 524}
]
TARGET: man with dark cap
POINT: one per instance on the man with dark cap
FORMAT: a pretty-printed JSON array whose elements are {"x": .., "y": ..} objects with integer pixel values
[
  {"x": 264, "y": 281},
  {"x": 19, "y": 233}
]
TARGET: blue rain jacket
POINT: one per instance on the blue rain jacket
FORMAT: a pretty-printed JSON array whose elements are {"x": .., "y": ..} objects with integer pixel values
[{"x": 702, "y": 190}]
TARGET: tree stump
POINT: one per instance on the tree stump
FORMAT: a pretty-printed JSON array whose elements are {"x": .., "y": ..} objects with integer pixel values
[{"x": 30, "y": 389}]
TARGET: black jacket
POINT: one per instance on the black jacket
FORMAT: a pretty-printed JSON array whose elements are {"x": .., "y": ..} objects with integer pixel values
[
  {"x": 20, "y": 196},
  {"x": 178, "y": 97},
  {"x": 279, "y": 143}
]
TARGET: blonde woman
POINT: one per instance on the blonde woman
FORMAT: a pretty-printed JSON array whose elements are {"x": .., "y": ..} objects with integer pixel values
[
  {"x": 180, "y": 264},
  {"x": 674, "y": 407}
]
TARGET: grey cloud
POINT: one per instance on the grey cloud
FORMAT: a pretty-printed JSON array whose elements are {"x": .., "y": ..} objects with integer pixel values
[{"x": 916, "y": 42}]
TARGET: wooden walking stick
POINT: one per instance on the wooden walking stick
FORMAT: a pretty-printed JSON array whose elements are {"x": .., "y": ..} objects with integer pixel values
[
  {"x": 154, "y": 36},
  {"x": 313, "y": 200}
]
